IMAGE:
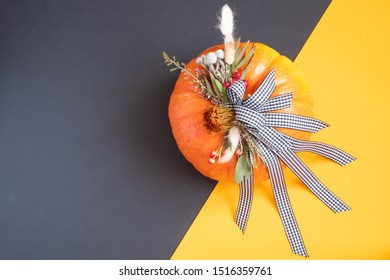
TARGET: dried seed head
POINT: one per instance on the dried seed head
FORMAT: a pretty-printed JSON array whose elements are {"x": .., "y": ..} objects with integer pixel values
[
  {"x": 218, "y": 119},
  {"x": 229, "y": 52}
]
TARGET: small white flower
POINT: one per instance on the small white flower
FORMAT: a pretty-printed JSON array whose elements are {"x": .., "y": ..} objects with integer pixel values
[
  {"x": 211, "y": 58},
  {"x": 220, "y": 54},
  {"x": 199, "y": 60}
]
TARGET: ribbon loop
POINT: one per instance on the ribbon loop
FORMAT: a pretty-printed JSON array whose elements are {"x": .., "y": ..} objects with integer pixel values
[
  {"x": 236, "y": 92},
  {"x": 262, "y": 93},
  {"x": 277, "y": 103},
  {"x": 249, "y": 117}
]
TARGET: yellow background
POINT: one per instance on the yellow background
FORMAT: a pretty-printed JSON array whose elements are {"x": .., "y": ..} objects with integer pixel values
[{"x": 346, "y": 61}]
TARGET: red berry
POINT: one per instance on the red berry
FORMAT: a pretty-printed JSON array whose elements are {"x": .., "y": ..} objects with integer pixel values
[
  {"x": 213, "y": 154},
  {"x": 238, "y": 152},
  {"x": 211, "y": 160},
  {"x": 234, "y": 80},
  {"x": 226, "y": 84},
  {"x": 246, "y": 83},
  {"x": 236, "y": 75}
]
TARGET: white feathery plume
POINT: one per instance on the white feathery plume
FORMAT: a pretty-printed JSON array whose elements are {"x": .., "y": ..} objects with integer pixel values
[
  {"x": 226, "y": 25},
  {"x": 234, "y": 139}
]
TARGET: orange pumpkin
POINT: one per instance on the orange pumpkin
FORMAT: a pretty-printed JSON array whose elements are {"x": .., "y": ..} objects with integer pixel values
[{"x": 187, "y": 106}]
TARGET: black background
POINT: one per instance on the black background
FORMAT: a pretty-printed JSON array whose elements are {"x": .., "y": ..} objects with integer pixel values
[{"x": 88, "y": 165}]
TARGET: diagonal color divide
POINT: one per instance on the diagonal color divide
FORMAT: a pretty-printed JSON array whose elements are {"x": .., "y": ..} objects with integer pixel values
[
  {"x": 345, "y": 61},
  {"x": 87, "y": 171}
]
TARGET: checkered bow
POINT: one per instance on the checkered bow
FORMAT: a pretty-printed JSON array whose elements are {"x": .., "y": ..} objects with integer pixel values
[{"x": 255, "y": 114}]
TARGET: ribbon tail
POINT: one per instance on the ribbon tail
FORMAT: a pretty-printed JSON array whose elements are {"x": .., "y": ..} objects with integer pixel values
[
  {"x": 245, "y": 202},
  {"x": 294, "y": 122},
  {"x": 284, "y": 206},
  {"x": 311, "y": 181},
  {"x": 322, "y": 149}
]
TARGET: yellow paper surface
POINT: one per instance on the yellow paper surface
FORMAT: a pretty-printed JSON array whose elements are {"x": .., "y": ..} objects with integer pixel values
[{"x": 346, "y": 61}]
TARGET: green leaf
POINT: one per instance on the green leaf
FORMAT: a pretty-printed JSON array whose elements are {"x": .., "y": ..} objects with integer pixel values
[
  {"x": 219, "y": 85},
  {"x": 236, "y": 51},
  {"x": 208, "y": 86},
  {"x": 237, "y": 44},
  {"x": 233, "y": 65},
  {"x": 246, "y": 58},
  {"x": 235, "y": 58},
  {"x": 216, "y": 89},
  {"x": 225, "y": 96},
  {"x": 242, "y": 52},
  {"x": 243, "y": 74},
  {"x": 242, "y": 169}
]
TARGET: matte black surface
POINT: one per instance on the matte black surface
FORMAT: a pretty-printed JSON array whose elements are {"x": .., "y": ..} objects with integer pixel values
[{"x": 88, "y": 165}]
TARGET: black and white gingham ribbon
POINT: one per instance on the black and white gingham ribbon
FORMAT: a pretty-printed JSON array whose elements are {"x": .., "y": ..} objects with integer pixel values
[
  {"x": 245, "y": 202},
  {"x": 255, "y": 113}
]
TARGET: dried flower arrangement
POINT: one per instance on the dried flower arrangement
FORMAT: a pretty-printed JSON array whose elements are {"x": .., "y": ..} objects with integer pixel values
[{"x": 217, "y": 71}]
